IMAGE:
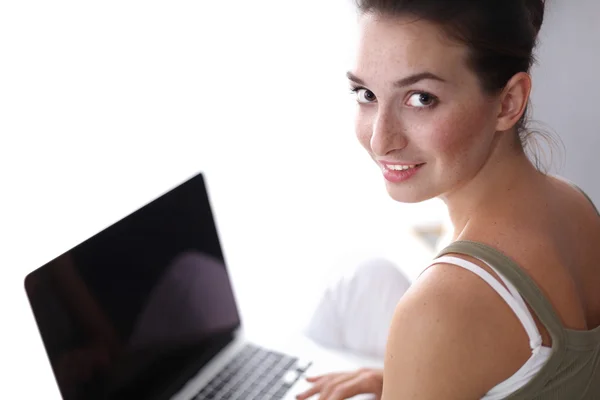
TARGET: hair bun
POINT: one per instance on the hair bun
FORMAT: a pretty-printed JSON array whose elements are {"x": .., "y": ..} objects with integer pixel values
[{"x": 536, "y": 13}]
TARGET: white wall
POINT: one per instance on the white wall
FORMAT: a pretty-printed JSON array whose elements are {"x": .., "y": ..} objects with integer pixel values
[
  {"x": 104, "y": 106},
  {"x": 566, "y": 85}
]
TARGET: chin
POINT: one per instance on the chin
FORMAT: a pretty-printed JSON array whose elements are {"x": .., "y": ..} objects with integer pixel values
[{"x": 407, "y": 193}]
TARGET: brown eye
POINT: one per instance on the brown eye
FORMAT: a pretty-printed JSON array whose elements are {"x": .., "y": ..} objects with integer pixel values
[
  {"x": 425, "y": 99},
  {"x": 421, "y": 100},
  {"x": 364, "y": 96}
]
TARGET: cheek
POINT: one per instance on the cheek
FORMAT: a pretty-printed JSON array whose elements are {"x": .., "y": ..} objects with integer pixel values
[
  {"x": 459, "y": 134},
  {"x": 363, "y": 129}
]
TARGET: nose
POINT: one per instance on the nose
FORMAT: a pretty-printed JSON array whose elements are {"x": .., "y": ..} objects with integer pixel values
[{"x": 388, "y": 133}]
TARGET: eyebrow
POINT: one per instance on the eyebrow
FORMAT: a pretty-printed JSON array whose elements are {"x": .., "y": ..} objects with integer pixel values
[{"x": 409, "y": 80}]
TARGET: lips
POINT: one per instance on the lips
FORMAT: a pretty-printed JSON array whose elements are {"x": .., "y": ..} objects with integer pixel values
[
  {"x": 396, "y": 173},
  {"x": 399, "y": 167}
]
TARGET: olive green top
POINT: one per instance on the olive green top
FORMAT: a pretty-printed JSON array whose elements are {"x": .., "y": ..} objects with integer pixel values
[{"x": 573, "y": 370}]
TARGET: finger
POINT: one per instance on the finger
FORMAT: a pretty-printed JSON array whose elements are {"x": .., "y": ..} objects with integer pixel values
[
  {"x": 316, "y": 378},
  {"x": 309, "y": 393},
  {"x": 348, "y": 389},
  {"x": 332, "y": 385},
  {"x": 319, "y": 383}
]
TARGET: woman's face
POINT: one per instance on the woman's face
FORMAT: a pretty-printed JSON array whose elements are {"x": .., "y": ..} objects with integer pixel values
[{"x": 422, "y": 114}]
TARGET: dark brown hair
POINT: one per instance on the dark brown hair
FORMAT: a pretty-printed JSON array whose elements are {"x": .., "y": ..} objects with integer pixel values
[{"x": 500, "y": 34}]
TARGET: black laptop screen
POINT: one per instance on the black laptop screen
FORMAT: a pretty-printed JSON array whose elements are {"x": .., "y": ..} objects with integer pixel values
[{"x": 134, "y": 310}]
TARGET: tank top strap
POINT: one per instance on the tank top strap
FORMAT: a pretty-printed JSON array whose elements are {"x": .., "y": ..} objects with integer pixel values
[
  {"x": 527, "y": 288},
  {"x": 509, "y": 294}
]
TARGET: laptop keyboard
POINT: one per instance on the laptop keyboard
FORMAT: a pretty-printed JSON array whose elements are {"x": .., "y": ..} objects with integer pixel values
[{"x": 254, "y": 374}]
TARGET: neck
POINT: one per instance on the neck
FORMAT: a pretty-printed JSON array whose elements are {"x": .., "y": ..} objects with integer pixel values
[{"x": 499, "y": 185}]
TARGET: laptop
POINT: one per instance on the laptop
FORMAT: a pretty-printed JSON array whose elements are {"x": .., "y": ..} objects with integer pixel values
[{"x": 145, "y": 310}]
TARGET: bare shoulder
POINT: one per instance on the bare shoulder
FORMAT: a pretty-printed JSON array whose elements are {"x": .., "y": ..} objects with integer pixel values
[{"x": 451, "y": 337}]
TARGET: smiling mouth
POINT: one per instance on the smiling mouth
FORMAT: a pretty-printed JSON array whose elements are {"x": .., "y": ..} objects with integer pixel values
[{"x": 401, "y": 167}]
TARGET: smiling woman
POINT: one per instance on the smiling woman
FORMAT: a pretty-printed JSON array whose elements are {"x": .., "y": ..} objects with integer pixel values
[
  {"x": 425, "y": 92},
  {"x": 510, "y": 309}
]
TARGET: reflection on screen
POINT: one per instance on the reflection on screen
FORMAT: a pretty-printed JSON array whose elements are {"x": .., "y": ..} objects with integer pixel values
[{"x": 138, "y": 308}]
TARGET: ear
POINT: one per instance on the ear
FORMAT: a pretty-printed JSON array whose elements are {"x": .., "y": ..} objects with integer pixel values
[{"x": 513, "y": 101}]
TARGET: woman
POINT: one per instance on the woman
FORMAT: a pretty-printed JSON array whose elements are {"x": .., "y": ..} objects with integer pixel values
[{"x": 511, "y": 309}]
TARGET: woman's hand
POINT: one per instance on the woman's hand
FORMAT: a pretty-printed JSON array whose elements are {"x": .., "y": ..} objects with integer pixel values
[{"x": 344, "y": 385}]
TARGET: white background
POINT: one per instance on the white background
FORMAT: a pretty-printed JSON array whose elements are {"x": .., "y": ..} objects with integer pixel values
[
  {"x": 106, "y": 105},
  {"x": 567, "y": 73}
]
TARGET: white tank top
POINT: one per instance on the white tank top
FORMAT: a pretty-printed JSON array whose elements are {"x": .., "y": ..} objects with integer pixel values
[{"x": 539, "y": 354}]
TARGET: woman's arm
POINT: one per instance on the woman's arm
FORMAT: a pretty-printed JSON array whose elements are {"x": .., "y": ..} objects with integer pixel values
[{"x": 452, "y": 337}]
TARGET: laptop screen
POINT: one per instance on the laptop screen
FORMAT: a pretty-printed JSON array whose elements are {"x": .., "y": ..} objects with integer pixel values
[{"x": 136, "y": 310}]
